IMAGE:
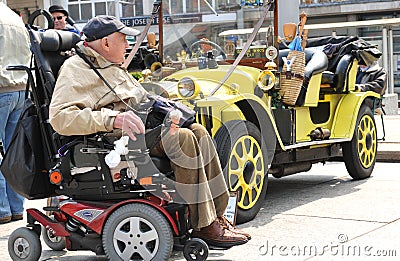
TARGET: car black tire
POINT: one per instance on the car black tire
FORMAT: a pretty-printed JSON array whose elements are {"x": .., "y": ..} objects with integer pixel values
[
  {"x": 150, "y": 239},
  {"x": 230, "y": 139},
  {"x": 56, "y": 243},
  {"x": 24, "y": 244},
  {"x": 359, "y": 154}
]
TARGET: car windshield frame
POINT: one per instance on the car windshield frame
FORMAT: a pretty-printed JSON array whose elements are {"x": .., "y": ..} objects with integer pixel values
[{"x": 220, "y": 31}]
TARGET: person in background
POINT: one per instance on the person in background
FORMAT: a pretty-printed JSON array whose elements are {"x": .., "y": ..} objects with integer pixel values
[
  {"x": 14, "y": 50},
  {"x": 60, "y": 16},
  {"x": 371, "y": 78}
]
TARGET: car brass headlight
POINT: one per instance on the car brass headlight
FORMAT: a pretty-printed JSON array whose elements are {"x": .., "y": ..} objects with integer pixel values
[
  {"x": 266, "y": 80},
  {"x": 187, "y": 88}
]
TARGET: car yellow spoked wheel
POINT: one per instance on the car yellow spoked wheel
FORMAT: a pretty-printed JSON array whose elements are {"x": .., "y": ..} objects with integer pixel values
[
  {"x": 244, "y": 162},
  {"x": 246, "y": 171},
  {"x": 359, "y": 154},
  {"x": 366, "y": 135}
]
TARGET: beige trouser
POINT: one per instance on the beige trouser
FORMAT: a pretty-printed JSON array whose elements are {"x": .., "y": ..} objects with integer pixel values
[{"x": 198, "y": 173}]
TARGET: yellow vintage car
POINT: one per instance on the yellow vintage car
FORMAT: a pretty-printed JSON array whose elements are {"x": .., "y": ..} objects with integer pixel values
[
  {"x": 273, "y": 106},
  {"x": 271, "y": 109}
]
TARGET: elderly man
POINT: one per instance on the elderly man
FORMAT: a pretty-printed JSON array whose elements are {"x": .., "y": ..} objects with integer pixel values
[{"x": 85, "y": 105}]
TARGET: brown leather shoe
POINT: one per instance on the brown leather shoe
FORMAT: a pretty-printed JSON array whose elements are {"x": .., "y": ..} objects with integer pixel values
[
  {"x": 16, "y": 217},
  {"x": 4, "y": 220},
  {"x": 219, "y": 236},
  {"x": 225, "y": 222}
]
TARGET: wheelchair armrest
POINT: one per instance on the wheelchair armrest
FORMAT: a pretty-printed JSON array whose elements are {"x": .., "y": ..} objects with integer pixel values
[{"x": 64, "y": 143}]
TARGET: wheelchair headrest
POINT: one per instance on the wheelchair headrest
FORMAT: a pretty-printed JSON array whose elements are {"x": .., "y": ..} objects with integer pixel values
[{"x": 58, "y": 40}]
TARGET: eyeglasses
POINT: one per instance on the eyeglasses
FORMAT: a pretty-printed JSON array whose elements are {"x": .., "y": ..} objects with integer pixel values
[{"x": 58, "y": 17}]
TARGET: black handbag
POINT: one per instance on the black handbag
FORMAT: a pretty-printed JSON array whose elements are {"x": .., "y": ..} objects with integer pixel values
[
  {"x": 23, "y": 165},
  {"x": 157, "y": 111}
]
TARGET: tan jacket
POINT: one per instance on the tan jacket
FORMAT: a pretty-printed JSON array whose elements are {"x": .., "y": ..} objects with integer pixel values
[
  {"x": 82, "y": 104},
  {"x": 14, "y": 50}
]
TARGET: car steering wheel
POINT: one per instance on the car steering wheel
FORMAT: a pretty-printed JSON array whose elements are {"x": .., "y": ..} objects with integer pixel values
[
  {"x": 212, "y": 44},
  {"x": 46, "y": 14}
]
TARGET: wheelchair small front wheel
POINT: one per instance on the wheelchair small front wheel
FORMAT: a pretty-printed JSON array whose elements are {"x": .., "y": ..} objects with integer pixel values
[
  {"x": 56, "y": 243},
  {"x": 195, "y": 249},
  {"x": 24, "y": 244}
]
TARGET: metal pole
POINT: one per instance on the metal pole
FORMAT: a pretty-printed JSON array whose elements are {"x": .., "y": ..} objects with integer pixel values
[
  {"x": 161, "y": 32},
  {"x": 391, "y": 63},
  {"x": 276, "y": 29},
  {"x": 147, "y": 7},
  {"x": 385, "y": 50},
  {"x": 211, "y": 6},
  {"x": 117, "y": 9}
]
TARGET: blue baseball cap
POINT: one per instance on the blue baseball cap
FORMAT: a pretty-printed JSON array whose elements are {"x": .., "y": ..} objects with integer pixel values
[{"x": 104, "y": 25}]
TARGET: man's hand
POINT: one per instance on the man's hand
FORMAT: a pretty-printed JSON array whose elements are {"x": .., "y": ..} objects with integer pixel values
[{"x": 130, "y": 123}]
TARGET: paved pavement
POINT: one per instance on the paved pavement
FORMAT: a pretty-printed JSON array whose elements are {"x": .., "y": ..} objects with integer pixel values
[
  {"x": 389, "y": 149},
  {"x": 320, "y": 215}
]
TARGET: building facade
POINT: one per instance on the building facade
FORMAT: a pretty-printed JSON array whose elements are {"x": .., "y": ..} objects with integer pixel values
[{"x": 318, "y": 12}]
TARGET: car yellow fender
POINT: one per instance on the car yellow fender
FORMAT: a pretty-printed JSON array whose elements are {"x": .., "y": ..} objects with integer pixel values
[
  {"x": 231, "y": 107},
  {"x": 346, "y": 114}
]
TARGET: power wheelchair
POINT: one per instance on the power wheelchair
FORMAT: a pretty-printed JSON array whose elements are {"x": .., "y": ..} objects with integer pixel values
[{"x": 134, "y": 218}]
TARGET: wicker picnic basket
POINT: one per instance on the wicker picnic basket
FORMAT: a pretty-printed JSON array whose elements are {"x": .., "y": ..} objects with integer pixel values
[{"x": 291, "y": 86}]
